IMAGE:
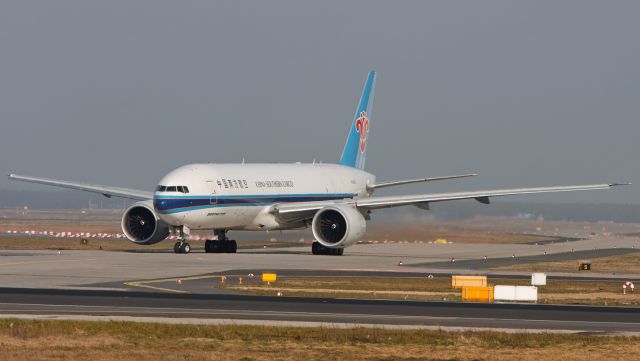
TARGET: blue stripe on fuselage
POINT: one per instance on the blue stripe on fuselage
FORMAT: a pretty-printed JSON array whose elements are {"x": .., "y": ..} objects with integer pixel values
[{"x": 166, "y": 204}]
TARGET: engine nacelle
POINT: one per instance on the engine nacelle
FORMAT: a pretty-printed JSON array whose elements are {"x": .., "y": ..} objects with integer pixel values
[
  {"x": 338, "y": 226},
  {"x": 141, "y": 224}
]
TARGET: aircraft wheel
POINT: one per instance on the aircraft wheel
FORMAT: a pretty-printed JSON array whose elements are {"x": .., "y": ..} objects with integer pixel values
[
  {"x": 231, "y": 246},
  {"x": 215, "y": 246},
  {"x": 186, "y": 248},
  {"x": 317, "y": 248},
  {"x": 177, "y": 247}
]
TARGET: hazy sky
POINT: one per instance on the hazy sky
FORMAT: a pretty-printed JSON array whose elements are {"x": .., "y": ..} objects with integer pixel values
[{"x": 526, "y": 93}]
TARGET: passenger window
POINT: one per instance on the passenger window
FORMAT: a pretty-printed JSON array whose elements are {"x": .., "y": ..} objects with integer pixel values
[{"x": 171, "y": 189}]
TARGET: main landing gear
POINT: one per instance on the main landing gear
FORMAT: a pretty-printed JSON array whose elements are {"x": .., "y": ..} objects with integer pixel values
[
  {"x": 317, "y": 248},
  {"x": 221, "y": 245}
]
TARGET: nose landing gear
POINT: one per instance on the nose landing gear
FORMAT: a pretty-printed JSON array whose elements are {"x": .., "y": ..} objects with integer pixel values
[{"x": 181, "y": 246}]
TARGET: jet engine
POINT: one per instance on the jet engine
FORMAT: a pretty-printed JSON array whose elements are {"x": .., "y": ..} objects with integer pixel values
[
  {"x": 142, "y": 226},
  {"x": 338, "y": 226}
]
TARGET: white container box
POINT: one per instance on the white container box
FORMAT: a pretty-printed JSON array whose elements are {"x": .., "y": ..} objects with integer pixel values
[
  {"x": 515, "y": 293},
  {"x": 538, "y": 279}
]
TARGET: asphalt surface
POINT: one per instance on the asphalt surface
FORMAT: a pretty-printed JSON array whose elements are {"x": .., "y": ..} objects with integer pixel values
[
  {"x": 80, "y": 268},
  {"x": 209, "y": 283},
  {"x": 94, "y": 284},
  {"x": 325, "y": 310},
  {"x": 479, "y": 264}
]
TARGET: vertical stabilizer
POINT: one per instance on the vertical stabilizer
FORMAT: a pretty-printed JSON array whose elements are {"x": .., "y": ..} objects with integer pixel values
[{"x": 355, "y": 150}]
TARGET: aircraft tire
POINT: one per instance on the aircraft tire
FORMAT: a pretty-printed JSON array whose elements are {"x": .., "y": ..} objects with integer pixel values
[
  {"x": 231, "y": 246},
  {"x": 317, "y": 248}
]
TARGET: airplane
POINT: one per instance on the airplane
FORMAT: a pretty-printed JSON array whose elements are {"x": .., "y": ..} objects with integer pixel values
[{"x": 335, "y": 200}]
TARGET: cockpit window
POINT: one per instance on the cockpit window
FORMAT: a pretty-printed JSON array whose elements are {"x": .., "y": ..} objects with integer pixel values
[{"x": 181, "y": 189}]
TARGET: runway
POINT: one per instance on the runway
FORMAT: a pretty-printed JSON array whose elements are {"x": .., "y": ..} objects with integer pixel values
[
  {"x": 76, "y": 268},
  {"x": 326, "y": 311},
  {"x": 142, "y": 286}
]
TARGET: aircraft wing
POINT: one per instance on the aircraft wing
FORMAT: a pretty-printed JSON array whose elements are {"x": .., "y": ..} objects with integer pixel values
[
  {"x": 480, "y": 196},
  {"x": 372, "y": 187},
  {"x": 95, "y": 188},
  {"x": 422, "y": 200}
]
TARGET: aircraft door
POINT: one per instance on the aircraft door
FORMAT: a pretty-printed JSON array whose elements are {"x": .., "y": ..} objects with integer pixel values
[{"x": 213, "y": 197}]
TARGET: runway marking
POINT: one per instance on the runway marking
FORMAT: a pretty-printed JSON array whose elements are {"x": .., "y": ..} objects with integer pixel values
[
  {"x": 184, "y": 310},
  {"x": 51, "y": 261},
  {"x": 333, "y": 290},
  {"x": 143, "y": 285},
  {"x": 226, "y": 311}
]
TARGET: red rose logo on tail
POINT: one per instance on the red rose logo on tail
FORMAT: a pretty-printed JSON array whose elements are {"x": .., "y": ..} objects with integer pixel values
[{"x": 362, "y": 127}]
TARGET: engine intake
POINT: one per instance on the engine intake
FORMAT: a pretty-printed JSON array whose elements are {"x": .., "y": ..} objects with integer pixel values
[
  {"x": 338, "y": 226},
  {"x": 141, "y": 225}
]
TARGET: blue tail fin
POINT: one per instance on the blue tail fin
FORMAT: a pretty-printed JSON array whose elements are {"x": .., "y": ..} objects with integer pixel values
[{"x": 355, "y": 150}]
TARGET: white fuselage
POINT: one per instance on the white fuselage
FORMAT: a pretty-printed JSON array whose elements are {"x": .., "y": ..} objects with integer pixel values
[{"x": 240, "y": 196}]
